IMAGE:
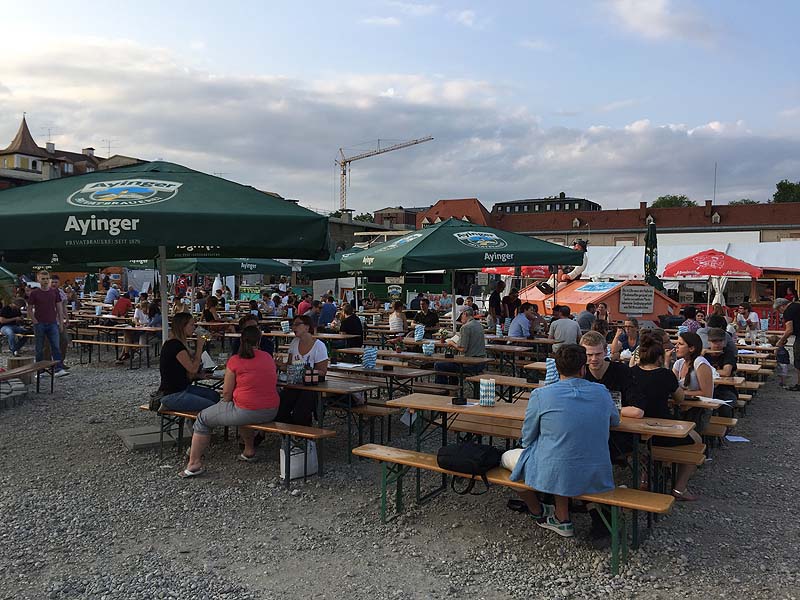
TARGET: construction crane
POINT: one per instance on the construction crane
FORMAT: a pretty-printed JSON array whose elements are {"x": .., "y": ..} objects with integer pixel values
[{"x": 344, "y": 162}]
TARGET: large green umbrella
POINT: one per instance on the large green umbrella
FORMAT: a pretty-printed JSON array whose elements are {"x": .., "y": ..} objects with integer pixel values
[
  {"x": 7, "y": 282},
  {"x": 456, "y": 244},
  {"x": 139, "y": 211},
  {"x": 131, "y": 211},
  {"x": 332, "y": 267},
  {"x": 651, "y": 257},
  {"x": 206, "y": 266}
]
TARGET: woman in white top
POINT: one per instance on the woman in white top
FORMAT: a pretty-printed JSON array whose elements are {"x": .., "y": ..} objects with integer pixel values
[
  {"x": 693, "y": 371},
  {"x": 298, "y": 406},
  {"x": 140, "y": 318},
  {"x": 398, "y": 324}
]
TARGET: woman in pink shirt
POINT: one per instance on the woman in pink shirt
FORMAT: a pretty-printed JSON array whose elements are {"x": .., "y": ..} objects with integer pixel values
[{"x": 249, "y": 395}]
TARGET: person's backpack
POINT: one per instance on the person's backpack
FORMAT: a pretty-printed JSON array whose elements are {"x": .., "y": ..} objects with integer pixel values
[{"x": 471, "y": 459}]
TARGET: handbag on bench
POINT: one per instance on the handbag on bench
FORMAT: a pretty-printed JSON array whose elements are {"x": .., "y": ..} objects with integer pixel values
[{"x": 471, "y": 459}]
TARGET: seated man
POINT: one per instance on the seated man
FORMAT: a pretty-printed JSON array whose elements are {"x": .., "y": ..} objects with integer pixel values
[
  {"x": 723, "y": 359},
  {"x": 327, "y": 312},
  {"x": 265, "y": 343},
  {"x": 122, "y": 306},
  {"x": 425, "y": 316},
  {"x": 564, "y": 442},
  {"x": 352, "y": 325},
  {"x": 563, "y": 329},
  {"x": 471, "y": 342},
  {"x": 521, "y": 324},
  {"x": 11, "y": 326}
]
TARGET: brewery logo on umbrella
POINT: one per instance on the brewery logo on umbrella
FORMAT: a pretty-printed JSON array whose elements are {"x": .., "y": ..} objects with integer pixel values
[
  {"x": 480, "y": 239},
  {"x": 399, "y": 242},
  {"x": 126, "y": 192}
]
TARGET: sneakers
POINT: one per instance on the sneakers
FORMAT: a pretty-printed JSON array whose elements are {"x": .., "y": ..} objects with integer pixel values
[
  {"x": 562, "y": 528},
  {"x": 62, "y": 373},
  {"x": 15, "y": 353},
  {"x": 548, "y": 510}
]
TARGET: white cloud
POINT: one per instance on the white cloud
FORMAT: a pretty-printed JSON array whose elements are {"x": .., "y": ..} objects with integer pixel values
[
  {"x": 282, "y": 134},
  {"x": 659, "y": 19},
  {"x": 413, "y": 9},
  {"x": 464, "y": 17},
  {"x": 381, "y": 21},
  {"x": 788, "y": 113},
  {"x": 618, "y": 104},
  {"x": 536, "y": 44}
]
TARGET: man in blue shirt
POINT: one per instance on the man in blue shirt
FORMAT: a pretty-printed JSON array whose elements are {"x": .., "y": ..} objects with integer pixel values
[
  {"x": 328, "y": 312},
  {"x": 112, "y": 295},
  {"x": 521, "y": 324}
]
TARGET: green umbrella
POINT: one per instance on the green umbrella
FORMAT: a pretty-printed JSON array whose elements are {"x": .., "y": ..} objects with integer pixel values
[
  {"x": 131, "y": 211},
  {"x": 651, "y": 257},
  {"x": 7, "y": 282},
  {"x": 206, "y": 266},
  {"x": 54, "y": 264},
  {"x": 332, "y": 267},
  {"x": 456, "y": 244}
]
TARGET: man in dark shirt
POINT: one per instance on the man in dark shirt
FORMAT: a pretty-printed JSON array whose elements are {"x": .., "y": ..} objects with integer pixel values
[
  {"x": 351, "y": 325},
  {"x": 495, "y": 306},
  {"x": 425, "y": 316},
  {"x": 791, "y": 324},
  {"x": 416, "y": 302},
  {"x": 11, "y": 326},
  {"x": 511, "y": 304},
  {"x": 723, "y": 359},
  {"x": 44, "y": 311}
]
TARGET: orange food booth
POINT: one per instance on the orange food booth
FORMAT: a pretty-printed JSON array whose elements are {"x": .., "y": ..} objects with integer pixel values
[{"x": 624, "y": 299}]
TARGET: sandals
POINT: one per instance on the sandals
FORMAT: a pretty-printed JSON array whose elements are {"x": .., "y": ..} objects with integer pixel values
[
  {"x": 243, "y": 458},
  {"x": 684, "y": 496},
  {"x": 186, "y": 473}
]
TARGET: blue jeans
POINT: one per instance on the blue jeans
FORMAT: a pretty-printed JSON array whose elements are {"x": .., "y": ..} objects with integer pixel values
[
  {"x": 53, "y": 335},
  {"x": 194, "y": 397},
  {"x": 11, "y": 331}
]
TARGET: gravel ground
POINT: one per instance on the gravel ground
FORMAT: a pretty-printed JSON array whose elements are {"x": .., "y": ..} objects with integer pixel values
[{"x": 82, "y": 517}]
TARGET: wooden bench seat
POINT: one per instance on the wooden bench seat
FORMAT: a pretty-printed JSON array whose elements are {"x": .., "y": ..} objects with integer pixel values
[
  {"x": 286, "y": 431},
  {"x": 89, "y": 344},
  {"x": 750, "y": 386},
  {"x": 395, "y": 462},
  {"x": 32, "y": 369},
  {"x": 728, "y": 422},
  {"x": 676, "y": 455},
  {"x": 492, "y": 427}
]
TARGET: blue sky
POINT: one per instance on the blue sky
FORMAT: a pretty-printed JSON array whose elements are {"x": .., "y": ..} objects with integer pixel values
[{"x": 618, "y": 101}]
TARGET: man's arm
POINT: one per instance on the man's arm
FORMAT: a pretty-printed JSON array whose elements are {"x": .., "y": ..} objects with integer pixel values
[{"x": 788, "y": 331}]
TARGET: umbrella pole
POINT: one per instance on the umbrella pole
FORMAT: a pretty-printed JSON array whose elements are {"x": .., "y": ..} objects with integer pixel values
[
  {"x": 708, "y": 297},
  {"x": 162, "y": 260},
  {"x": 453, "y": 299}
]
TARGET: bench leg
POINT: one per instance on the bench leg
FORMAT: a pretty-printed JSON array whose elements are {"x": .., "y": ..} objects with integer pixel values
[
  {"x": 52, "y": 379},
  {"x": 148, "y": 356},
  {"x": 287, "y": 460},
  {"x": 320, "y": 469},
  {"x": 391, "y": 473},
  {"x": 305, "y": 460}
]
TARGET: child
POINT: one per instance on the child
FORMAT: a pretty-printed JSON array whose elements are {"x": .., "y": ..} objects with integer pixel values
[{"x": 782, "y": 356}]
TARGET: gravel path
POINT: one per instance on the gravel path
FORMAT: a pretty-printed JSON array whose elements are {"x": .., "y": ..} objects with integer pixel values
[{"x": 82, "y": 517}]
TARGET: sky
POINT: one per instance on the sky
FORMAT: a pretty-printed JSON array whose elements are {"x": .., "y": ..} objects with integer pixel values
[{"x": 618, "y": 101}]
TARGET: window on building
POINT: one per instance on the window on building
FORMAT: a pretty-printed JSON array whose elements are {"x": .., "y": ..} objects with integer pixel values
[
  {"x": 508, "y": 209},
  {"x": 577, "y": 206},
  {"x": 23, "y": 163},
  {"x": 548, "y": 207},
  {"x": 536, "y": 207},
  {"x": 516, "y": 208},
  {"x": 525, "y": 208},
  {"x": 35, "y": 165},
  {"x": 558, "y": 207}
]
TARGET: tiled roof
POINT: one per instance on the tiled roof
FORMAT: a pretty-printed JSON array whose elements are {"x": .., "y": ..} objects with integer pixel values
[
  {"x": 23, "y": 143},
  {"x": 665, "y": 218},
  {"x": 457, "y": 208}
]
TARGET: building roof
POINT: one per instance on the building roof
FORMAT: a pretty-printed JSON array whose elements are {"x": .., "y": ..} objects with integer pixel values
[
  {"x": 457, "y": 208},
  {"x": 23, "y": 143},
  {"x": 696, "y": 217},
  {"x": 405, "y": 209}
]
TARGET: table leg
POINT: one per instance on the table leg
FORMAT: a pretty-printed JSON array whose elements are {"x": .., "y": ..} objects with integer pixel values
[{"x": 635, "y": 486}]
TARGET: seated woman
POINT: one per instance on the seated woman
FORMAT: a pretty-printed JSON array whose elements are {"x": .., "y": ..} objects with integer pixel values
[
  {"x": 211, "y": 315},
  {"x": 398, "y": 323},
  {"x": 254, "y": 310},
  {"x": 249, "y": 395},
  {"x": 657, "y": 385},
  {"x": 626, "y": 338},
  {"x": 564, "y": 442},
  {"x": 265, "y": 344},
  {"x": 140, "y": 319},
  {"x": 297, "y": 407},
  {"x": 179, "y": 367}
]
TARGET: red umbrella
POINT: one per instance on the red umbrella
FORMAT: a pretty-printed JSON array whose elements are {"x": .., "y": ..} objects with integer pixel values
[{"x": 711, "y": 263}]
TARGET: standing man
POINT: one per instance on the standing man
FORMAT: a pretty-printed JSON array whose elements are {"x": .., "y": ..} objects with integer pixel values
[
  {"x": 63, "y": 316},
  {"x": 328, "y": 312},
  {"x": 495, "y": 306},
  {"x": 585, "y": 318},
  {"x": 44, "y": 313},
  {"x": 511, "y": 304},
  {"x": 791, "y": 324},
  {"x": 564, "y": 330}
]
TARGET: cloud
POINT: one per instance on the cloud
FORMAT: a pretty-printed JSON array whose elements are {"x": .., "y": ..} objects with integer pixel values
[
  {"x": 467, "y": 18},
  {"x": 618, "y": 104},
  {"x": 282, "y": 134},
  {"x": 788, "y": 113},
  {"x": 382, "y": 21},
  {"x": 413, "y": 9},
  {"x": 536, "y": 44},
  {"x": 659, "y": 20}
]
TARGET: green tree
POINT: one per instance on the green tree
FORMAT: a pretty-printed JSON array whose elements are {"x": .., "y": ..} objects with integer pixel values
[
  {"x": 336, "y": 214},
  {"x": 787, "y": 191},
  {"x": 366, "y": 217},
  {"x": 742, "y": 202},
  {"x": 672, "y": 201}
]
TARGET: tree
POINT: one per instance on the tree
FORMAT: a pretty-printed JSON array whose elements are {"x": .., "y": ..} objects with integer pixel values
[
  {"x": 742, "y": 202},
  {"x": 366, "y": 217},
  {"x": 672, "y": 201},
  {"x": 787, "y": 191},
  {"x": 336, "y": 214}
]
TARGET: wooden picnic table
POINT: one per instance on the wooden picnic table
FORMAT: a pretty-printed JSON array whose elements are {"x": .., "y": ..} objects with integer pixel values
[
  {"x": 397, "y": 379},
  {"x": 505, "y": 385},
  {"x": 507, "y": 355},
  {"x": 748, "y": 368}
]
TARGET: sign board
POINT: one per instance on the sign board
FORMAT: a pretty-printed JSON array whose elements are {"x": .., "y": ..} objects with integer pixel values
[
  {"x": 394, "y": 292},
  {"x": 598, "y": 286},
  {"x": 636, "y": 299},
  {"x": 249, "y": 292},
  {"x": 686, "y": 297},
  {"x": 482, "y": 278},
  {"x": 396, "y": 280}
]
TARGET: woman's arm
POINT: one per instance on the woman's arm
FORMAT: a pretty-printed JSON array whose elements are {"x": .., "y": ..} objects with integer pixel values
[
  {"x": 706, "y": 380},
  {"x": 192, "y": 365},
  {"x": 228, "y": 385},
  {"x": 616, "y": 345}
]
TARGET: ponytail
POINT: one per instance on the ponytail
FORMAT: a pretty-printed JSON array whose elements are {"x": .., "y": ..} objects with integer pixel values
[{"x": 251, "y": 336}]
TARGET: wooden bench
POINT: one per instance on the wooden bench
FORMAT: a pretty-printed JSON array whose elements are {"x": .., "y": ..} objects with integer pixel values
[
  {"x": 116, "y": 345},
  {"x": 492, "y": 427},
  {"x": 372, "y": 413},
  {"x": 286, "y": 431},
  {"x": 396, "y": 462},
  {"x": 33, "y": 369}
]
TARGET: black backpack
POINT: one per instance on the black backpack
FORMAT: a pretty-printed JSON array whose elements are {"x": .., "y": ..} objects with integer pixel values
[{"x": 471, "y": 459}]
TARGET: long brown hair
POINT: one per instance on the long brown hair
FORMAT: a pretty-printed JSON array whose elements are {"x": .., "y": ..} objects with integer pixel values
[
  {"x": 695, "y": 349},
  {"x": 251, "y": 338},
  {"x": 179, "y": 323}
]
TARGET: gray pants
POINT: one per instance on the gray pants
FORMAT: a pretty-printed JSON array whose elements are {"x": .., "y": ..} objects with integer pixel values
[{"x": 228, "y": 414}]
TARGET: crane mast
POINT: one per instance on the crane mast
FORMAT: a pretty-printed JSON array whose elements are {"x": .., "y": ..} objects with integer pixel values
[{"x": 344, "y": 162}]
